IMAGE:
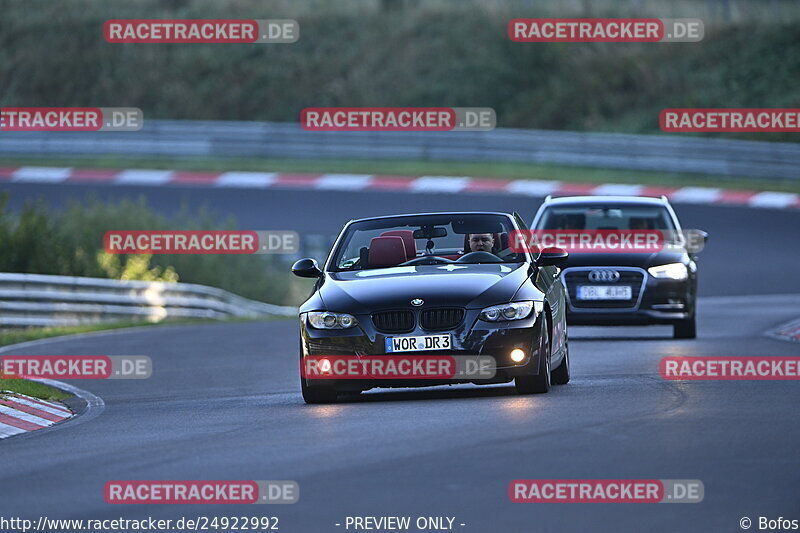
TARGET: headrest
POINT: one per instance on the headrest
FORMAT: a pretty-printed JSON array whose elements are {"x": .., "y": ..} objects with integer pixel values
[
  {"x": 387, "y": 251},
  {"x": 408, "y": 240}
]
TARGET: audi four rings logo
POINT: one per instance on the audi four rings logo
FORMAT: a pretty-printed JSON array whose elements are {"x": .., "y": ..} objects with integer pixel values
[
  {"x": 608, "y": 276},
  {"x": 416, "y": 302}
]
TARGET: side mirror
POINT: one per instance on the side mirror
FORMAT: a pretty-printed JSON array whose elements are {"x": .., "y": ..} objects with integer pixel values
[
  {"x": 306, "y": 268},
  {"x": 552, "y": 257}
]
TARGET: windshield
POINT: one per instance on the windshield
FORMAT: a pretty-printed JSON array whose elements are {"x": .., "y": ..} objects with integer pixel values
[
  {"x": 425, "y": 239},
  {"x": 621, "y": 217}
]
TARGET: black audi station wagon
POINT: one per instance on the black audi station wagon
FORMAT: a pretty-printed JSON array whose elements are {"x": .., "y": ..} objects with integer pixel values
[{"x": 658, "y": 287}]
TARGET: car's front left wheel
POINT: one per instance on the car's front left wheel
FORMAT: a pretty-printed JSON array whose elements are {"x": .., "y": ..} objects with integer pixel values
[
  {"x": 539, "y": 383},
  {"x": 685, "y": 329}
]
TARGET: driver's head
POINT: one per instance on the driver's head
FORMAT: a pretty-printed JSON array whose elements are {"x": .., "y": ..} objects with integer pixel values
[{"x": 481, "y": 242}]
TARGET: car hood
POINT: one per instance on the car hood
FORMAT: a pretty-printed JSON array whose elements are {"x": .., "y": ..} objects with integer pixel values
[
  {"x": 629, "y": 260},
  {"x": 469, "y": 286}
]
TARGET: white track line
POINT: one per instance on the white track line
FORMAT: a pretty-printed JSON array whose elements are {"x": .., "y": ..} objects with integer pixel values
[
  {"x": 8, "y": 431},
  {"x": 246, "y": 180},
  {"x": 46, "y": 408},
  {"x": 773, "y": 199},
  {"x": 25, "y": 416},
  {"x": 343, "y": 182},
  {"x": 143, "y": 177},
  {"x": 449, "y": 184},
  {"x": 696, "y": 195},
  {"x": 41, "y": 174},
  {"x": 533, "y": 187},
  {"x": 37, "y": 401},
  {"x": 618, "y": 189}
]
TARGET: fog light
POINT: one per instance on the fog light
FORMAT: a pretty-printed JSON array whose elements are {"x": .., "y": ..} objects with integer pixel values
[
  {"x": 324, "y": 365},
  {"x": 517, "y": 355}
]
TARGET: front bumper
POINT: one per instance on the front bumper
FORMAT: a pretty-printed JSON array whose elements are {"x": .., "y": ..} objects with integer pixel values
[
  {"x": 658, "y": 301},
  {"x": 472, "y": 337}
]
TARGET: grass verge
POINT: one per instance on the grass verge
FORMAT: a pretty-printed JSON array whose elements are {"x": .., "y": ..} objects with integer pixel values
[
  {"x": 421, "y": 168},
  {"x": 32, "y": 388}
]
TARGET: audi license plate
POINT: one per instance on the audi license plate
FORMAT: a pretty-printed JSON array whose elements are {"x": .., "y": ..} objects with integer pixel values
[
  {"x": 604, "y": 292},
  {"x": 415, "y": 344}
]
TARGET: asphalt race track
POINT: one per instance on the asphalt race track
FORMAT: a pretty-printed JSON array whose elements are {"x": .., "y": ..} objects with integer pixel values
[{"x": 224, "y": 403}]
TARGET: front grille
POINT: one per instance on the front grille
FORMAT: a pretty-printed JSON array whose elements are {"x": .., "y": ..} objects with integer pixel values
[
  {"x": 445, "y": 318},
  {"x": 573, "y": 279},
  {"x": 393, "y": 321}
]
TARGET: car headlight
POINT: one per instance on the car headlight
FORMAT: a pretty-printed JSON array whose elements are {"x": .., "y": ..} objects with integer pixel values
[
  {"x": 329, "y": 320},
  {"x": 676, "y": 271},
  {"x": 511, "y": 311}
]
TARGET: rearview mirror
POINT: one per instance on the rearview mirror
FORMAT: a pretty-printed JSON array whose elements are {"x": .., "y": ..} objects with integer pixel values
[
  {"x": 306, "y": 268},
  {"x": 552, "y": 256},
  {"x": 430, "y": 232}
]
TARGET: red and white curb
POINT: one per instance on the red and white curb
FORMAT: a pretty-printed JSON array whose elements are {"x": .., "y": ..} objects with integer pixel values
[
  {"x": 371, "y": 182},
  {"x": 789, "y": 331},
  {"x": 20, "y": 413}
]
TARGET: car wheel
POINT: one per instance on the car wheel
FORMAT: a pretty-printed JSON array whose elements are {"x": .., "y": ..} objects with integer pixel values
[
  {"x": 561, "y": 374},
  {"x": 317, "y": 394},
  {"x": 685, "y": 329},
  {"x": 541, "y": 382}
]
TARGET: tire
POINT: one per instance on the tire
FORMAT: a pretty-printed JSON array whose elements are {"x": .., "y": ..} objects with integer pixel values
[
  {"x": 317, "y": 395},
  {"x": 540, "y": 383},
  {"x": 685, "y": 329},
  {"x": 561, "y": 374}
]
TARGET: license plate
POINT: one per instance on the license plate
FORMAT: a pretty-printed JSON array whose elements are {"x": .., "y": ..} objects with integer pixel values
[
  {"x": 415, "y": 344},
  {"x": 604, "y": 292}
]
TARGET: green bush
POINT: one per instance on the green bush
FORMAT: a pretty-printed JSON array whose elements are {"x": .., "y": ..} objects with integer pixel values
[{"x": 69, "y": 242}]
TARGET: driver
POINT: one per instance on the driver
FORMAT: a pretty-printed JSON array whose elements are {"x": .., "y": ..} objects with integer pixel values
[{"x": 481, "y": 242}]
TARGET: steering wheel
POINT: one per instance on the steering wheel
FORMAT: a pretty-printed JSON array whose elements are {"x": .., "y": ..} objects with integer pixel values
[
  {"x": 479, "y": 257},
  {"x": 427, "y": 260}
]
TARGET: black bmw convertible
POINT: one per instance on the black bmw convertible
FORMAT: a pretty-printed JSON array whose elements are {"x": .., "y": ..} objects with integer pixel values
[{"x": 432, "y": 285}]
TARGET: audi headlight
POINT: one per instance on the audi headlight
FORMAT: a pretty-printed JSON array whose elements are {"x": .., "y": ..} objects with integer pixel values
[
  {"x": 511, "y": 311},
  {"x": 328, "y": 320},
  {"x": 676, "y": 271}
]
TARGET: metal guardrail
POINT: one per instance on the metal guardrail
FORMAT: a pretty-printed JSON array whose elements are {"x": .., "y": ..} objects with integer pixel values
[
  {"x": 669, "y": 153},
  {"x": 42, "y": 300}
]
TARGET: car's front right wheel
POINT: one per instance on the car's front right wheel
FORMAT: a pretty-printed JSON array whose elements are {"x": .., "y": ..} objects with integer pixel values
[
  {"x": 315, "y": 395},
  {"x": 561, "y": 373},
  {"x": 539, "y": 383}
]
